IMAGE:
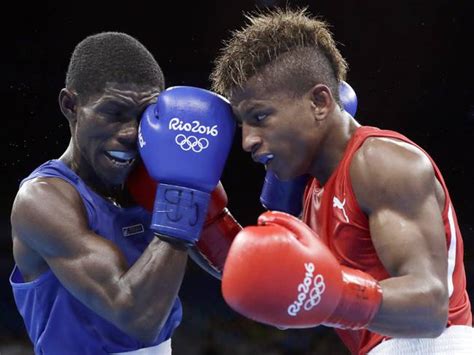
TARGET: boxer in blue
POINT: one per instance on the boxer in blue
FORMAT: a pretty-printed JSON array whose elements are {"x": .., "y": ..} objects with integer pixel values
[{"x": 95, "y": 273}]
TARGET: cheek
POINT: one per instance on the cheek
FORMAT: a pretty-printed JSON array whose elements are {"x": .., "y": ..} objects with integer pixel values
[
  {"x": 298, "y": 145},
  {"x": 89, "y": 137},
  {"x": 93, "y": 128},
  {"x": 84, "y": 134},
  {"x": 290, "y": 136}
]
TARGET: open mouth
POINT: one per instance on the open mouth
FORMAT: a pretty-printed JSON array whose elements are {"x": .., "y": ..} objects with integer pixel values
[{"x": 121, "y": 158}]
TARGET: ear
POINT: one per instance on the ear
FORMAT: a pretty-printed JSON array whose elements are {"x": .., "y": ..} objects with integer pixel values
[
  {"x": 322, "y": 101},
  {"x": 68, "y": 104}
]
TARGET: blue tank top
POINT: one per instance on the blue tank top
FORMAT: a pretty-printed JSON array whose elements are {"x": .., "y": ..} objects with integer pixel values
[{"x": 56, "y": 321}]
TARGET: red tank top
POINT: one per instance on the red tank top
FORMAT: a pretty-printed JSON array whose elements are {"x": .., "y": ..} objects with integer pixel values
[{"x": 333, "y": 212}]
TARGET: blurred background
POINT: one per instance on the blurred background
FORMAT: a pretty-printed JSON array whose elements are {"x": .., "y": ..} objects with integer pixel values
[{"x": 410, "y": 65}]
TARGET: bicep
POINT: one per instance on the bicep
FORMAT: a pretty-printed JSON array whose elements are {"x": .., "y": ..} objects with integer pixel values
[
  {"x": 49, "y": 217},
  {"x": 396, "y": 185},
  {"x": 411, "y": 240},
  {"x": 410, "y": 243}
]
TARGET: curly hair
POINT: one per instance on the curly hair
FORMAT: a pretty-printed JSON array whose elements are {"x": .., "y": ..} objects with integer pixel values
[
  {"x": 111, "y": 57},
  {"x": 293, "y": 48}
]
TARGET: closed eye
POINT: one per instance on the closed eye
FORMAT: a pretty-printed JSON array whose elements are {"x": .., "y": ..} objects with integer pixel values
[{"x": 113, "y": 109}]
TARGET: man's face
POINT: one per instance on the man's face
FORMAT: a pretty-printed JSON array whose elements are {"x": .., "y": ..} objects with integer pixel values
[
  {"x": 106, "y": 129},
  {"x": 278, "y": 129}
]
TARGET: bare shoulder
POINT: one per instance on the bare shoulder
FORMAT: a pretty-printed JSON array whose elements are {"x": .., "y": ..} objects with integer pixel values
[
  {"x": 40, "y": 199},
  {"x": 44, "y": 210},
  {"x": 46, "y": 187},
  {"x": 387, "y": 169}
]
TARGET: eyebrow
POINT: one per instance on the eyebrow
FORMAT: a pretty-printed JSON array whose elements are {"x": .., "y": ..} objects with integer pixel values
[{"x": 249, "y": 106}]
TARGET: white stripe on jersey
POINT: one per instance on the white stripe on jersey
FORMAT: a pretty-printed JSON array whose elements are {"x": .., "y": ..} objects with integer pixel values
[{"x": 451, "y": 250}]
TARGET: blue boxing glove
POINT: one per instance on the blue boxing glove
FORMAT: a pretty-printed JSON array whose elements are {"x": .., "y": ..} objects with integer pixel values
[
  {"x": 184, "y": 140},
  {"x": 348, "y": 98},
  {"x": 286, "y": 196},
  {"x": 283, "y": 196}
]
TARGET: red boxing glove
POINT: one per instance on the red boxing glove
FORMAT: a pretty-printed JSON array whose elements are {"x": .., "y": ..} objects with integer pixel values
[
  {"x": 219, "y": 230},
  {"x": 217, "y": 235},
  {"x": 280, "y": 273},
  {"x": 142, "y": 187}
]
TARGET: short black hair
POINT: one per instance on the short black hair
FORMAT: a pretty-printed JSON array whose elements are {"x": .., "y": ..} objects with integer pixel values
[{"x": 111, "y": 57}]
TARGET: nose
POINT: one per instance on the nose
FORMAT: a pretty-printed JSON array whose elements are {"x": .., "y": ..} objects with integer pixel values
[
  {"x": 128, "y": 132},
  {"x": 251, "y": 140}
]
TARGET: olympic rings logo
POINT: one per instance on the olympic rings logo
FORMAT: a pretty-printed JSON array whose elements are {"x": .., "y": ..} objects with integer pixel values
[
  {"x": 193, "y": 143},
  {"x": 309, "y": 291},
  {"x": 315, "y": 293}
]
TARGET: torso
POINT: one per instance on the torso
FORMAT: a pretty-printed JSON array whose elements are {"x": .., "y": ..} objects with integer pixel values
[
  {"x": 334, "y": 212},
  {"x": 46, "y": 305}
]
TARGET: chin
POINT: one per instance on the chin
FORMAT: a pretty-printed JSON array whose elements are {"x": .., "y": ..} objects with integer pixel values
[
  {"x": 114, "y": 177},
  {"x": 282, "y": 176},
  {"x": 120, "y": 178},
  {"x": 286, "y": 172},
  {"x": 112, "y": 174}
]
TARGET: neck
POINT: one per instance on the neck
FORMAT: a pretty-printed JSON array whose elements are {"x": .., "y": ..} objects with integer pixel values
[
  {"x": 115, "y": 193},
  {"x": 333, "y": 146}
]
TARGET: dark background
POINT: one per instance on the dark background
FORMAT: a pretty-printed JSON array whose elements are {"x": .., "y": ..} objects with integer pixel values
[{"x": 409, "y": 64}]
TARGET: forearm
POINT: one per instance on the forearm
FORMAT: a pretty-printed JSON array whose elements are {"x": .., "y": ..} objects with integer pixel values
[
  {"x": 149, "y": 288},
  {"x": 411, "y": 308}
]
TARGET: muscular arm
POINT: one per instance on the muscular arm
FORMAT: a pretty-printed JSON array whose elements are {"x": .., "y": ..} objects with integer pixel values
[
  {"x": 395, "y": 185},
  {"x": 49, "y": 220}
]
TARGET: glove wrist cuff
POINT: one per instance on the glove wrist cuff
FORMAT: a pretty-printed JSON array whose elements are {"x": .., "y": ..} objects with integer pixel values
[
  {"x": 360, "y": 301},
  {"x": 179, "y": 213}
]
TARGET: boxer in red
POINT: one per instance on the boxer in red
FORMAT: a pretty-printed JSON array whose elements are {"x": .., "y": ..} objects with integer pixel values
[{"x": 379, "y": 254}]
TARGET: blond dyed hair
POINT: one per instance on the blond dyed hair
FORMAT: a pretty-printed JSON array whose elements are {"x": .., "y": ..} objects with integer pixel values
[{"x": 284, "y": 43}]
